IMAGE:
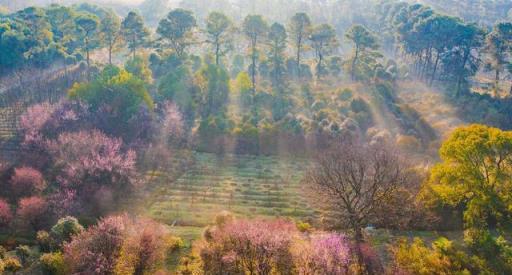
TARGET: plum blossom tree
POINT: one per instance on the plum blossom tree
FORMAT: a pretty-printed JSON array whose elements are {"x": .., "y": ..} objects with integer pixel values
[
  {"x": 27, "y": 181},
  {"x": 5, "y": 213},
  {"x": 253, "y": 247},
  {"x": 33, "y": 121},
  {"x": 33, "y": 211},
  {"x": 172, "y": 124},
  {"x": 90, "y": 163},
  {"x": 145, "y": 247},
  {"x": 44, "y": 121},
  {"x": 323, "y": 254},
  {"x": 119, "y": 245},
  {"x": 96, "y": 250}
]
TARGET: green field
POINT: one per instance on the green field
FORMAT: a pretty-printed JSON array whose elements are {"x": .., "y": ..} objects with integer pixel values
[{"x": 248, "y": 186}]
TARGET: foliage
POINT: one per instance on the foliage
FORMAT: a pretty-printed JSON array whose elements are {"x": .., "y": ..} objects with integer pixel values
[
  {"x": 53, "y": 264},
  {"x": 300, "y": 28},
  {"x": 176, "y": 31},
  {"x": 44, "y": 241},
  {"x": 134, "y": 32},
  {"x": 255, "y": 29},
  {"x": 219, "y": 29},
  {"x": 215, "y": 92},
  {"x": 441, "y": 258},
  {"x": 23, "y": 253},
  {"x": 65, "y": 229},
  {"x": 139, "y": 67},
  {"x": 87, "y": 32},
  {"x": 498, "y": 45},
  {"x": 278, "y": 42},
  {"x": 110, "y": 31},
  {"x": 117, "y": 97},
  {"x": 323, "y": 40},
  {"x": 363, "y": 40},
  {"x": 12, "y": 265},
  {"x": 473, "y": 174}
]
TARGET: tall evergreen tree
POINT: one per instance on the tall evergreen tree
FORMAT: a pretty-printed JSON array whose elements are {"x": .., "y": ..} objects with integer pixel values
[{"x": 134, "y": 32}]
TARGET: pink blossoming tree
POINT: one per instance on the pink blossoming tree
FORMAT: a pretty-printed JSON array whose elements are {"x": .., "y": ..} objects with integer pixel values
[
  {"x": 33, "y": 211},
  {"x": 27, "y": 181},
  {"x": 119, "y": 245},
  {"x": 5, "y": 213},
  {"x": 90, "y": 162}
]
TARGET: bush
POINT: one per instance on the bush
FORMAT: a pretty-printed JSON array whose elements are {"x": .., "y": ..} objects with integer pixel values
[
  {"x": 304, "y": 227},
  {"x": 139, "y": 67},
  {"x": 53, "y": 264},
  {"x": 23, "y": 252},
  {"x": 12, "y": 265},
  {"x": 65, "y": 229},
  {"x": 44, "y": 241},
  {"x": 441, "y": 258}
]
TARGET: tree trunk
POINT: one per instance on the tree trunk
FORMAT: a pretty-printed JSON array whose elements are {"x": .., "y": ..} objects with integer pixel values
[
  {"x": 253, "y": 66},
  {"x": 356, "y": 56},
  {"x": 436, "y": 63},
  {"x": 319, "y": 65},
  {"x": 217, "y": 52},
  {"x": 110, "y": 54},
  {"x": 497, "y": 81},
  {"x": 299, "y": 48},
  {"x": 461, "y": 73}
]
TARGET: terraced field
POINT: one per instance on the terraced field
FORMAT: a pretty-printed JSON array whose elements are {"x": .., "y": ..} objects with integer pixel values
[
  {"x": 8, "y": 133},
  {"x": 244, "y": 185}
]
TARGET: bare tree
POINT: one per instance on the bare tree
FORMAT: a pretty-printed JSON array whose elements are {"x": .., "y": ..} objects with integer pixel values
[{"x": 353, "y": 181}]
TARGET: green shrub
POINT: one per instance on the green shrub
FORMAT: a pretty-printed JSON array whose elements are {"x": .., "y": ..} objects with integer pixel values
[
  {"x": 53, "y": 264},
  {"x": 65, "y": 228},
  {"x": 23, "y": 252},
  {"x": 44, "y": 241},
  {"x": 304, "y": 227}
]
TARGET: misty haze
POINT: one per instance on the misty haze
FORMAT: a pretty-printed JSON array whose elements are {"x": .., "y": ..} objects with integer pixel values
[{"x": 255, "y": 137}]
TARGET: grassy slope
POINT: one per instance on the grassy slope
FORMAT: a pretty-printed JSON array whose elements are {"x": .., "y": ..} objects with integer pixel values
[{"x": 432, "y": 106}]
